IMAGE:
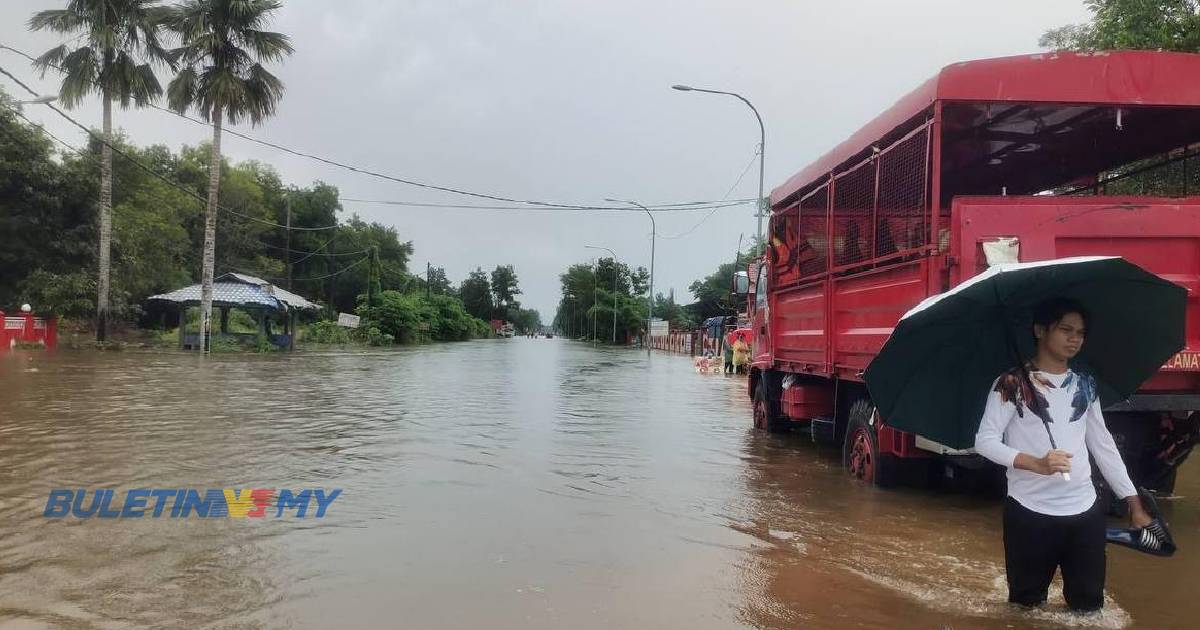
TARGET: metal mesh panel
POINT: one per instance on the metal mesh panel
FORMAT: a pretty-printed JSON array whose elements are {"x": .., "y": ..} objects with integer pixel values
[
  {"x": 853, "y": 207},
  {"x": 900, "y": 221},
  {"x": 1168, "y": 176},
  {"x": 812, "y": 249},
  {"x": 785, "y": 238}
]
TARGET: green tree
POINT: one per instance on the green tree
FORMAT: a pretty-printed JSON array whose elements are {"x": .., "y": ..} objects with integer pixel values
[
  {"x": 351, "y": 239},
  {"x": 1131, "y": 24},
  {"x": 476, "y": 294},
  {"x": 438, "y": 282},
  {"x": 713, "y": 293},
  {"x": 222, "y": 76},
  {"x": 525, "y": 320},
  {"x": 504, "y": 289},
  {"x": 47, "y": 216},
  {"x": 120, "y": 41}
]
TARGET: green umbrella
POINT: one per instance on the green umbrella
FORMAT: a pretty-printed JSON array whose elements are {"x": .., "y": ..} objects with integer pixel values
[{"x": 933, "y": 374}]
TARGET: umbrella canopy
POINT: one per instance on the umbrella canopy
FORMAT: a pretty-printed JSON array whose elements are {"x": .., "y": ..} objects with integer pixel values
[
  {"x": 744, "y": 334},
  {"x": 933, "y": 374}
]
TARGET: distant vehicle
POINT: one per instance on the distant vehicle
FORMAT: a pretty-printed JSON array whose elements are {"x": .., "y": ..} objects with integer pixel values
[
  {"x": 1001, "y": 160},
  {"x": 507, "y": 331}
]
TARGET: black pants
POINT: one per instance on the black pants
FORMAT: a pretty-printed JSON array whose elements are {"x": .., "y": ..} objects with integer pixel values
[{"x": 1035, "y": 545}]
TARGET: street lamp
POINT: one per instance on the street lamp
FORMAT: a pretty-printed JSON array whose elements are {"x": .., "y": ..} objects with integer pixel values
[
  {"x": 762, "y": 145},
  {"x": 41, "y": 100},
  {"x": 615, "y": 277},
  {"x": 653, "y": 235}
]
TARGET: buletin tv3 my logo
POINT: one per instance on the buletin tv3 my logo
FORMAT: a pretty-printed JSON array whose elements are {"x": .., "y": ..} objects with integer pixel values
[{"x": 189, "y": 502}]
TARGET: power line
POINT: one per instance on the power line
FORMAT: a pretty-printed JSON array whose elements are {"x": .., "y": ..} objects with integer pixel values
[
  {"x": 393, "y": 178},
  {"x": 326, "y": 276},
  {"x": 309, "y": 254},
  {"x": 89, "y": 156},
  {"x": 86, "y": 155},
  {"x": 137, "y": 163},
  {"x": 708, "y": 216},
  {"x": 670, "y": 208}
]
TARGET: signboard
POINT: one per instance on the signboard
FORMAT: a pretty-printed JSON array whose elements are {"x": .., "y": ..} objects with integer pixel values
[
  {"x": 1186, "y": 360},
  {"x": 659, "y": 327},
  {"x": 347, "y": 320}
]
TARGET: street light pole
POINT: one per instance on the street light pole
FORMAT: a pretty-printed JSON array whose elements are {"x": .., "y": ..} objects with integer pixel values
[
  {"x": 649, "y": 298},
  {"x": 615, "y": 277},
  {"x": 571, "y": 323},
  {"x": 762, "y": 148},
  {"x": 595, "y": 290}
]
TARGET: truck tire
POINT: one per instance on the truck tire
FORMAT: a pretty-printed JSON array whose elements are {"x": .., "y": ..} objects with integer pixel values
[
  {"x": 860, "y": 452},
  {"x": 767, "y": 416}
]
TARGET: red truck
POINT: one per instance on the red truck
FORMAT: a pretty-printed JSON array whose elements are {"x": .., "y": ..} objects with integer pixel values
[{"x": 1018, "y": 158}]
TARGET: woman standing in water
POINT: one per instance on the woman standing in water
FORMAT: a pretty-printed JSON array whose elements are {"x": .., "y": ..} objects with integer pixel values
[{"x": 1043, "y": 423}]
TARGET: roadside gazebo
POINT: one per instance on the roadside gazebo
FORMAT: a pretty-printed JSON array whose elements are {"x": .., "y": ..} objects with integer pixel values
[{"x": 266, "y": 302}]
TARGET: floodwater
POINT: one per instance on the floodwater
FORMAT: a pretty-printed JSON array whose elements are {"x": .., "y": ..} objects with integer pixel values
[{"x": 495, "y": 484}]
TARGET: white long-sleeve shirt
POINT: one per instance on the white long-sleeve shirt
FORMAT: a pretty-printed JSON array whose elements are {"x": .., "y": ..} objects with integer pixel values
[{"x": 1009, "y": 427}]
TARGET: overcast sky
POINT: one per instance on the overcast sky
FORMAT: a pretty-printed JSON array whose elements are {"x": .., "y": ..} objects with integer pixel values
[{"x": 570, "y": 101}]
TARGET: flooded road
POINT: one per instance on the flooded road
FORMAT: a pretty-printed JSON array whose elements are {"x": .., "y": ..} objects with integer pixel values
[{"x": 502, "y": 484}]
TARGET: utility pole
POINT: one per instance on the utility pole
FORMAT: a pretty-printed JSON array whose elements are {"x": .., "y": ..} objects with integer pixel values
[
  {"x": 615, "y": 277},
  {"x": 287, "y": 202},
  {"x": 649, "y": 298},
  {"x": 595, "y": 286},
  {"x": 428, "y": 278}
]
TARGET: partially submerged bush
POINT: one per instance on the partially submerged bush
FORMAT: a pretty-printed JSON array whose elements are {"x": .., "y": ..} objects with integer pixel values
[{"x": 327, "y": 332}]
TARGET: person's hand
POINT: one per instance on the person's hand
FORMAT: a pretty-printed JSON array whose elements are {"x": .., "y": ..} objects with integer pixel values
[
  {"x": 1055, "y": 461},
  {"x": 1138, "y": 516}
]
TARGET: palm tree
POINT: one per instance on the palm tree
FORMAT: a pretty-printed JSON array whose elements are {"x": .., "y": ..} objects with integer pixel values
[
  {"x": 222, "y": 75},
  {"x": 119, "y": 43}
]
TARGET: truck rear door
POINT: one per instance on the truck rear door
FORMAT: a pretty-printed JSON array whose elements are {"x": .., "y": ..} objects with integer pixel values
[{"x": 1157, "y": 234}]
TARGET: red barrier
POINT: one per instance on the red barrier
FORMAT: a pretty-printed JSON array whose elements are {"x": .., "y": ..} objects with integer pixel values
[
  {"x": 26, "y": 328},
  {"x": 682, "y": 342}
]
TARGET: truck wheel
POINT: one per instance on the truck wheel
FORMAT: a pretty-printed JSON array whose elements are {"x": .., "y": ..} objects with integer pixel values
[
  {"x": 766, "y": 411},
  {"x": 860, "y": 453}
]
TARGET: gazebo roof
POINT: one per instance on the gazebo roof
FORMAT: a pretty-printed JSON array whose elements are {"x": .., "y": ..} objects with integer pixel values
[
  {"x": 235, "y": 289},
  {"x": 287, "y": 297}
]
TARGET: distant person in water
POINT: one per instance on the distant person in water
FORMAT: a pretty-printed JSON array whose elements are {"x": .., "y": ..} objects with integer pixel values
[
  {"x": 741, "y": 353},
  {"x": 1052, "y": 517}
]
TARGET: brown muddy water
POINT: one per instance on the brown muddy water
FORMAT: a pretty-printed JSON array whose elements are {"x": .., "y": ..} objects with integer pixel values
[{"x": 496, "y": 484}]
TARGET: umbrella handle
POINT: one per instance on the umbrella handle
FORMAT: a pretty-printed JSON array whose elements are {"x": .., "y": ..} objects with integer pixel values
[{"x": 1066, "y": 476}]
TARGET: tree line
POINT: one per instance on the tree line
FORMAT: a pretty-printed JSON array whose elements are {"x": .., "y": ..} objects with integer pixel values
[
  {"x": 594, "y": 297},
  {"x": 49, "y": 226},
  {"x": 89, "y": 236}
]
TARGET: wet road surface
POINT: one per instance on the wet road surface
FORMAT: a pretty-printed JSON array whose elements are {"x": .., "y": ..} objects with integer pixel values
[{"x": 503, "y": 484}]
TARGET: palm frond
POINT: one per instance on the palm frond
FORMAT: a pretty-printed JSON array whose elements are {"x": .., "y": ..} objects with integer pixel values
[
  {"x": 265, "y": 45},
  {"x": 52, "y": 58},
  {"x": 57, "y": 20},
  {"x": 181, "y": 91},
  {"x": 130, "y": 81},
  {"x": 117, "y": 31},
  {"x": 190, "y": 20},
  {"x": 263, "y": 92},
  {"x": 81, "y": 76},
  {"x": 226, "y": 40}
]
